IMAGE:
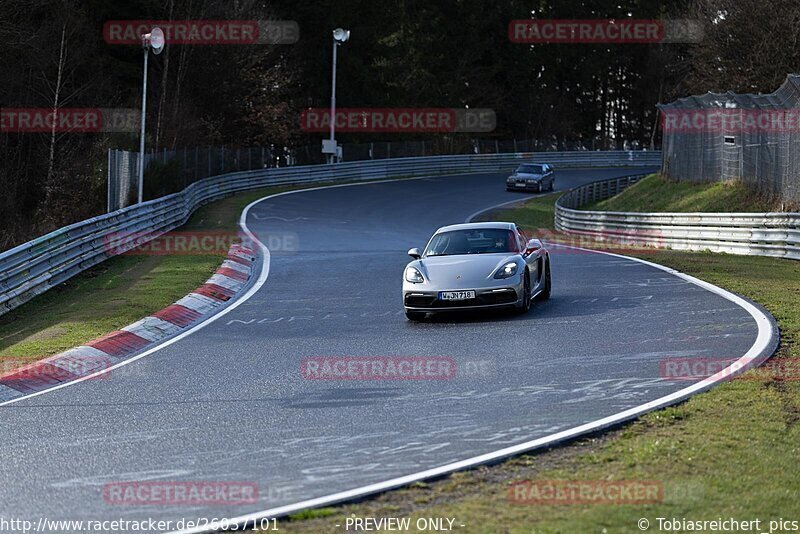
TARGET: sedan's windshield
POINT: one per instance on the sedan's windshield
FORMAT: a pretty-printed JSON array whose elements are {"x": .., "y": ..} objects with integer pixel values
[
  {"x": 529, "y": 169},
  {"x": 476, "y": 241}
]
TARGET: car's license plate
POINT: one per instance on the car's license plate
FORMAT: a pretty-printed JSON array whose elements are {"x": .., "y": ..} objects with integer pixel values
[{"x": 456, "y": 295}]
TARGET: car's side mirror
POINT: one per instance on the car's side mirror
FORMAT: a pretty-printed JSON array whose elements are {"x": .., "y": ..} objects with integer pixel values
[
  {"x": 532, "y": 246},
  {"x": 415, "y": 253}
]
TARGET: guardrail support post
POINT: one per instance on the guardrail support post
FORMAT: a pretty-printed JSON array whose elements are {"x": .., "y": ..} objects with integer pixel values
[{"x": 108, "y": 184}]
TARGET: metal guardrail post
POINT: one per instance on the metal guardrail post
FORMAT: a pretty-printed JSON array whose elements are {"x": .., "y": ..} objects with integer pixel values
[{"x": 109, "y": 176}]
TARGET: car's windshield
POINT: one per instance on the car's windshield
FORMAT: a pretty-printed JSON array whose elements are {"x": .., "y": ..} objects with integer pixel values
[
  {"x": 475, "y": 241},
  {"x": 530, "y": 169}
]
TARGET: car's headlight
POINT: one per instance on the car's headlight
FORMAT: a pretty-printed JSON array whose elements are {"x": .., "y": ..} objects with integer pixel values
[
  {"x": 506, "y": 271},
  {"x": 532, "y": 180},
  {"x": 414, "y": 276}
]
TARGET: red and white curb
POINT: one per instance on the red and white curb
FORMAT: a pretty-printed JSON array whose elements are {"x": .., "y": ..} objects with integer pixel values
[{"x": 106, "y": 351}]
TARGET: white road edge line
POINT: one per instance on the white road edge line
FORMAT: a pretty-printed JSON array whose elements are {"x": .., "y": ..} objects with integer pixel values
[
  {"x": 761, "y": 343},
  {"x": 262, "y": 277}
]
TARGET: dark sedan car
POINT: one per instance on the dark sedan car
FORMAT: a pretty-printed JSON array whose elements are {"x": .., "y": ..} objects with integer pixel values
[{"x": 531, "y": 177}]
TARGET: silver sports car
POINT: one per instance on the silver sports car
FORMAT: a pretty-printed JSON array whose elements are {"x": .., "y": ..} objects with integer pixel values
[{"x": 473, "y": 266}]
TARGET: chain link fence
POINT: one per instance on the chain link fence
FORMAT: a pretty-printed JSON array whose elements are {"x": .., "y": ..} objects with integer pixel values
[
  {"x": 170, "y": 171},
  {"x": 729, "y": 136}
]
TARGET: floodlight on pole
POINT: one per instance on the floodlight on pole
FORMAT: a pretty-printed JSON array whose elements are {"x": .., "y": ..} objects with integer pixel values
[
  {"x": 150, "y": 41},
  {"x": 339, "y": 36}
]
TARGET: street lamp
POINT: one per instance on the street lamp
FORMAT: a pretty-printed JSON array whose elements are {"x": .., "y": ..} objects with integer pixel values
[
  {"x": 339, "y": 36},
  {"x": 150, "y": 41}
]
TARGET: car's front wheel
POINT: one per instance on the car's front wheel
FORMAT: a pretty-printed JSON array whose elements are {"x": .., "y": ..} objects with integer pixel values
[
  {"x": 415, "y": 315},
  {"x": 526, "y": 294},
  {"x": 548, "y": 282}
]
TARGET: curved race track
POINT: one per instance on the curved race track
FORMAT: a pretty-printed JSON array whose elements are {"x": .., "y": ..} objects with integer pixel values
[{"x": 227, "y": 403}]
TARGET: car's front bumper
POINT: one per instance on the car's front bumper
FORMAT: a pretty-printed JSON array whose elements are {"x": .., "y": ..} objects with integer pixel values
[{"x": 493, "y": 297}]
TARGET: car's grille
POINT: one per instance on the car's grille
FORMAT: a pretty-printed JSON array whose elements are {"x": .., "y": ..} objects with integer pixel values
[
  {"x": 499, "y": 297},
  {"x": 485, "y": 299},
  {"x": 417, "y": 301}
]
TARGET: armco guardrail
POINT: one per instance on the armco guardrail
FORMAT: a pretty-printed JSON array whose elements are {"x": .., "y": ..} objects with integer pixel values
[
  {"x": 760, "y": 234},
  {"x": 34, "y": 267}
]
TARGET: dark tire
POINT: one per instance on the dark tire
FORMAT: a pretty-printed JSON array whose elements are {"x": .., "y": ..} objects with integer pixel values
[
  {"x": 552, "y": 185},
  {"x": 548, "y": 283},
  {"x": 526, "y": 305},
  {"x": 415, "y": 315}
]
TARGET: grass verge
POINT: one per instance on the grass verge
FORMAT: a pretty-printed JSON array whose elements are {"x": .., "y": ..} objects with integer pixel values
[
  {"x": 117, "y": 292},
  {"x": 655, "y": 193},
  {"x": 731, "y": 452}
]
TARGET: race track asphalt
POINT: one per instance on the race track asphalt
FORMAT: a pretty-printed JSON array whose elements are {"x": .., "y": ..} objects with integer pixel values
[{"x": 228, "y": 403}]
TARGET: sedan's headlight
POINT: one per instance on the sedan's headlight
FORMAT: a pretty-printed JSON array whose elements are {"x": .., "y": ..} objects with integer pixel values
[
  {"x": 506, "y": 271},
  {"x": 413, "y": 275},
  {"x": 532, "y": 180}
]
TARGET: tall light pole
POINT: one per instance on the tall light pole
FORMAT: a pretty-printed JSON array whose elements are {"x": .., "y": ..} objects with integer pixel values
[
  {"x": 339, "y": 36},
  {"x": 155, "y": 41}
]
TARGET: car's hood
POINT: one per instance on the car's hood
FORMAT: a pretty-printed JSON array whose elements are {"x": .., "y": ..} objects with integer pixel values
[
  {"x": 528, "y": 176},
  {"x": 462, "y": 268}
]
